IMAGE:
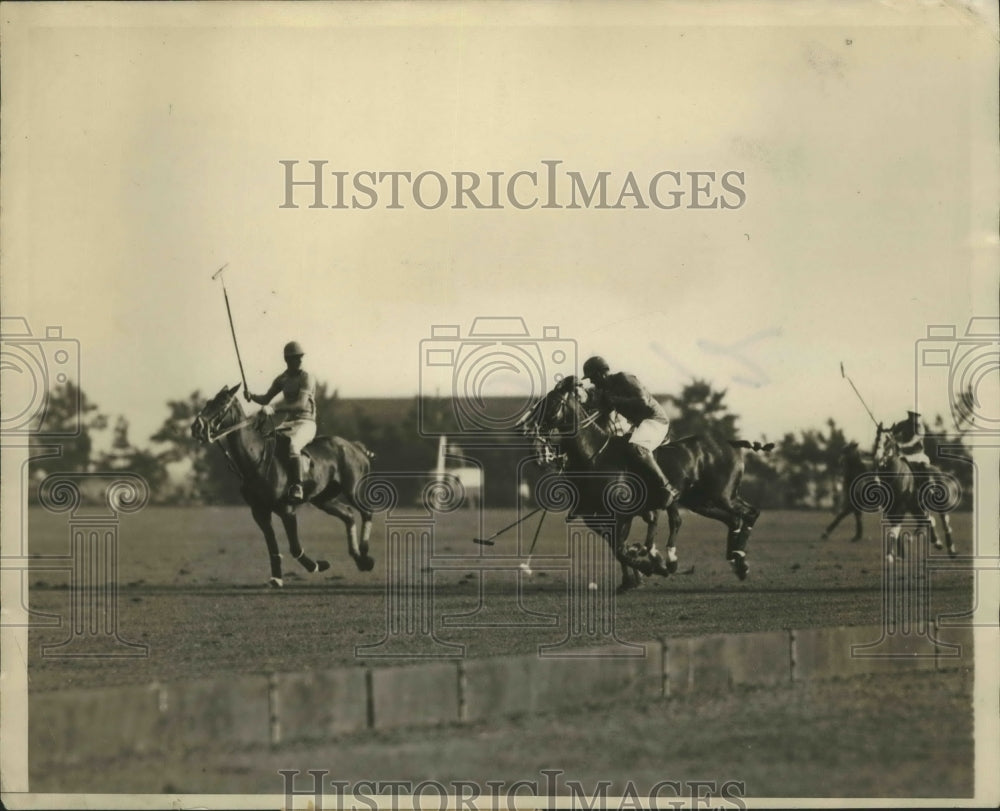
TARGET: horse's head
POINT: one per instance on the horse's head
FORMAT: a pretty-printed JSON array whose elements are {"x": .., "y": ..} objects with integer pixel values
[
  {"x": 885, "y": 449},
  {"x": 556, "y": 417},
  {"x": 218, "y": 414}
]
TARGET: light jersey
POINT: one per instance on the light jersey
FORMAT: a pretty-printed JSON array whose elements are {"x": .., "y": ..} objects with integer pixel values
[{"x": 299, "y": 392}]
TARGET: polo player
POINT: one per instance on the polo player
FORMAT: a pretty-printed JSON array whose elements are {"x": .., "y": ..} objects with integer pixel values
[
  {"x": 909, "y": 438},
  {"x": 297, "y": 409},
  {"x": 624, "y": 393}
]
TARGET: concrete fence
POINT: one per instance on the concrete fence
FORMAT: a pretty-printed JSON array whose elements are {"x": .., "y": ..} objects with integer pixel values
[{"x": 74, "y": 726}]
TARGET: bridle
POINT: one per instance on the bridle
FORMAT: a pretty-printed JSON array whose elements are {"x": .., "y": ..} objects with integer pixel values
[
  {"x": 210, "y": 435},
  {"x": 885, "y": 449},
  {"x": 210, "y": 423},
  {"x": 552, "y": 453}
]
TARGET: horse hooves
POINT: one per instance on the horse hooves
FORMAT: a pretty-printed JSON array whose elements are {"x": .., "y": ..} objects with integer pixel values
[
  {"x": 740, "y": 567},
  {"x": 952, "y": 552},
  {"x": 365, "y": 563},
  {"x": 672, "y": 566},
  {"x": 322, "y": 565},
  {"x": 275, "y": 583},
  {"x": 627, "y": 586}
]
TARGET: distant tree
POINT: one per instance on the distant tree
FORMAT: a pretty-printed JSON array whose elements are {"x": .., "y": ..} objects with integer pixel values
[
  {"x": 145, "y": 463},
  {"x": 333, "y": 415},
  {"x": 701, "y": 409},
  {"x": 210, "y": 479},
  {"x": 69, "y": 410}
]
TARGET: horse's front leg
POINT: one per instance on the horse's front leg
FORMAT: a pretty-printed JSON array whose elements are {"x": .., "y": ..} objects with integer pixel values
[
  {"x": 262, "y": 517},
  {"x": 659, "y": 565},
  {"x": 292, "y": 531},
  {"x": 631, "y": 574},
  {"x": 858, "y": 526}
]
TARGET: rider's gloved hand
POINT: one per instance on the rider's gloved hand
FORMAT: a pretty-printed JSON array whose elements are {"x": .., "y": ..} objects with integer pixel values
[
  {"x": 246, "y": 394},
  {"x": 268, "y": 410}
]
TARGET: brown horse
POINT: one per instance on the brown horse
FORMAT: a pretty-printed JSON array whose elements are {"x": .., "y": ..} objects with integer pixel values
[
  {"x": 907, "y": 492},
  {"x": 707, "y": 473},
  {"x": 335, "y": 468},
  {"x": 852, "y": 465}
]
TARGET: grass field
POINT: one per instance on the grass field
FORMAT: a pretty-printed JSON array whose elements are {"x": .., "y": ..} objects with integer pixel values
[{"x": 192, "y": 589}]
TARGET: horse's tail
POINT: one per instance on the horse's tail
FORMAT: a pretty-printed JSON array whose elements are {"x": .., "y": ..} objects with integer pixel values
[
  {"x": 364, "y": 449},
  {"x": 757, "y": 447}
]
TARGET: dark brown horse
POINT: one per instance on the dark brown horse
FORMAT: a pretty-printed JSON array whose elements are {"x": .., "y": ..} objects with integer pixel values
[
  {"x": 906, "y": 492},
  {"x": 335, "y": 468},
  {"x": 851, "y": 466},
  {"x": 706, "y": 471}
]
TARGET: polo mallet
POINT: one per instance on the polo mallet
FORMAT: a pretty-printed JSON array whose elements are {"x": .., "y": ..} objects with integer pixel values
[
  {"x": 499, "y": 532},
  {"x": 526, "y": 566},
  {"x": 862, "y": 399},
  {"x": 218, "y": 275}
]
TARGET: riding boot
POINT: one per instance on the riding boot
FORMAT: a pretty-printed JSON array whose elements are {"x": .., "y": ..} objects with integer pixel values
[
  {"x": 664, "y": 493},
  {"x": 294, "y": 478}
]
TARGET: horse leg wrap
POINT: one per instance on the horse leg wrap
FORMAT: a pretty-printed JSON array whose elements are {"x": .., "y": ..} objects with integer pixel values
[{"x": 308, "y": 563}]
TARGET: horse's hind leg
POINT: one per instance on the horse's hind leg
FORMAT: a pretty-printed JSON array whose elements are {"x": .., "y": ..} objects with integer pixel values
[
  {"x": 894, "y": 543},
  {"x": 949, "y": 540},
  {"x": 932, "y": 532},
  {"x": 358, "y": 552},
  {"x": 833, "y": 524},
  {"x": 846, "y": 511},
  {"x": 731, "y": 517},
  {"x": 858, "y": 528},
  {"x": 262, "y": 517},
  {"x": 749, "y": 515},
  {"x": 674, "y": 522},
  {"x": 292, "y": 530}
]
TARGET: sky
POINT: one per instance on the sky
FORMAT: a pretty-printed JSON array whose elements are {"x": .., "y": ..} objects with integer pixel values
[{"x": 142, "y": 151}]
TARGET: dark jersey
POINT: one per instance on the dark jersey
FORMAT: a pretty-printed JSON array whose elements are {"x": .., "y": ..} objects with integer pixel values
[
  {"x": 626, "y": 395},
  {"x": 908, "y": 437}
]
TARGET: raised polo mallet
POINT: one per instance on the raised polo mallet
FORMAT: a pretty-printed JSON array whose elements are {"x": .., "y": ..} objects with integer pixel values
[
  {"x": 218, "y": 275},
  {"x": 499, "y": 532},
  {"x": 862, "y": 399}
]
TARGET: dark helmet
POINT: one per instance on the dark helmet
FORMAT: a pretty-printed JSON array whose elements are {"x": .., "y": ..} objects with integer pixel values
[
  {"x": 595, "y": 366},
  {"x": 908, "y": 427},
  {"x": 293, "y": 349}
]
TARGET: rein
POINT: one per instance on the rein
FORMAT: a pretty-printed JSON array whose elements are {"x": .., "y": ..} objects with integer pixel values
[
  {"x": 268, "y": 444},
  {"x": 589, "y": 420},
  {"x": 230, "y": 429}
]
